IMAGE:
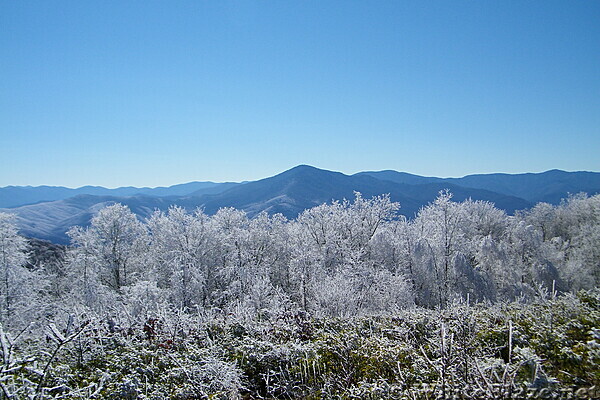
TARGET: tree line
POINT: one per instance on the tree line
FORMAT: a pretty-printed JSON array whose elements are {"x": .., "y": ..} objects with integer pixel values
[{"x": 340, "y": 259}]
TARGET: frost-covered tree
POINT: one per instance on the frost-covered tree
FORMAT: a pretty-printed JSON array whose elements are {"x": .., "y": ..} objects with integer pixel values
[
  {"x": 571, "y": 236},
  {"x": 333, "y": 258},
  {"x": 230, "y": 228},
  {"x": 111, "y": 247},
  {"x": 14, "y": 277},
  {"x": 182, "y": 248},
  {"x": 252, "y": 259},
  {"x": 267, "y": 274},
  {"x": 485, "y": 231},
  {"x": 441, "y": 245}
]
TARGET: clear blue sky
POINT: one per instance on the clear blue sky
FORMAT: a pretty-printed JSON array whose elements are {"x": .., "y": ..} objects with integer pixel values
[{"x": 150, "y": 93}]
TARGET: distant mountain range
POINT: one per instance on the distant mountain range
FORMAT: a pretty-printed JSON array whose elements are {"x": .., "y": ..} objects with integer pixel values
[
  {"x": 47, "y": 212},
  {"x": 16, "y": 196},
  {"x": 550, "y": 186}
]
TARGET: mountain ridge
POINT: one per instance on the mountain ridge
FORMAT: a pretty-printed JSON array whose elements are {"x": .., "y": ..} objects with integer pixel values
[
  {"x": 292, "y": 191},
  {"x": 548, "y": 186},
  {"x": 16, "y": 196}
]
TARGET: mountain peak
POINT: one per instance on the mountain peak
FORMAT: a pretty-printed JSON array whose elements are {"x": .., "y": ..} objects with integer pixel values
[
  {"x": 304, "y": 170},
  {"x": 303, "y": 167}
]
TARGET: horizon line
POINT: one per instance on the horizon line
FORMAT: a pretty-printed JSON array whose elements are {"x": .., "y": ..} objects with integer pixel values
[{"x": 289, "y": 169}]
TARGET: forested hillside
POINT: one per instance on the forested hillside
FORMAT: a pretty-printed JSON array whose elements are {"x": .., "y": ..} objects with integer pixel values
[{"x": 349, "y": 299}]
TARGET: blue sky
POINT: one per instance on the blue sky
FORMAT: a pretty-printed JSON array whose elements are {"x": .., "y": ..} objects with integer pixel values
[{"x": 152, "y": 93}]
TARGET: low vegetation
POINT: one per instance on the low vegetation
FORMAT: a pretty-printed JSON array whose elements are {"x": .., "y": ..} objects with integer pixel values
[{"x": 481, "y": 351}]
